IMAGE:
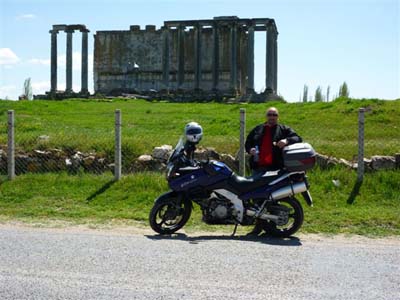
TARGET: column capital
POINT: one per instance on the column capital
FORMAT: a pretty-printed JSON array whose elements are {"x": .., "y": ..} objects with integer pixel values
[
  {"x": 69, "y": 30},
  {"x": 251, "y": 23},
  {"x": 53, "y": 31},
  {"x": 270, "y": 26},
  {"x": 251, "y": 28},
  {"x": 84, "y": 30}
]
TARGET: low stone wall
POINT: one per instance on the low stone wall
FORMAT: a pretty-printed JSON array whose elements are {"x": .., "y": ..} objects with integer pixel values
[
  {"x": 158, "y": 159},
  {"x": 375, "y": 163},
  {"x": 56, "y": 160}
]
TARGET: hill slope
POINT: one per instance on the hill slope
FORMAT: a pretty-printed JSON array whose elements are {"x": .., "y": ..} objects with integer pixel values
[{"x": 88, "y": 125}]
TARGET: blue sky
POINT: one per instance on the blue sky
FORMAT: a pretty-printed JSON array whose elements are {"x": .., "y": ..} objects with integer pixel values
[{"x": 320, "y": 42}]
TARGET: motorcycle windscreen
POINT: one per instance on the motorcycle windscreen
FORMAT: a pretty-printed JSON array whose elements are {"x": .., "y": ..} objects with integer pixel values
[{"x": 178, "y": 149}]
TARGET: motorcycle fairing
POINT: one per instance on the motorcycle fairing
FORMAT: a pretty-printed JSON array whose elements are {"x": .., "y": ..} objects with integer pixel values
[{"x": 201, "y": 177}]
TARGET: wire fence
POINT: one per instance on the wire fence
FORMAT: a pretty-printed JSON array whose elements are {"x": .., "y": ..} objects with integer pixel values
[
  {"x": 88, "y": 143},
  {"x": 97, "y": 143}
]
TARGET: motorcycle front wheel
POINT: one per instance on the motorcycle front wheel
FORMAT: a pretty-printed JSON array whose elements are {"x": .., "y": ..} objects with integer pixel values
[
  {"x": 169, "y": 215},
  {"x": 295, "y": 217}
]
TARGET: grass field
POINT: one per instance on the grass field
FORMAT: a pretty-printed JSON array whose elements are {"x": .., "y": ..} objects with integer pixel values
[
  {"x": 88, "y": 125},
  {"x": 96, "y": 199}
]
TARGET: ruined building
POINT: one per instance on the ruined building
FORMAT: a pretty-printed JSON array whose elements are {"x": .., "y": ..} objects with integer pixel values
[
  {"x": 197, "y": 57},
  {"x": 69, "y": 30}
]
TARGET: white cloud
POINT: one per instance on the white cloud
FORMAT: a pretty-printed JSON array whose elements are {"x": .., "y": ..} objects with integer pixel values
[
  {"x": 39, "y": 61},
  {"x": 8, "y": 57},
  {"x": 40, "y": 87},
  {"x": 8, "y": 91},
  {"x": 25, "y": 17}
]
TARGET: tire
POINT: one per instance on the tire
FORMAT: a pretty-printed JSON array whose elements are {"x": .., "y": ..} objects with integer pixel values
[
  {"x": 168, "y": 210},
  {"x": 296, "y": 215}
]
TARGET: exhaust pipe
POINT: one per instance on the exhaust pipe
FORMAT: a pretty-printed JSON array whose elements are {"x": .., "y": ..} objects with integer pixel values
[{"x": 289, "y": 190}]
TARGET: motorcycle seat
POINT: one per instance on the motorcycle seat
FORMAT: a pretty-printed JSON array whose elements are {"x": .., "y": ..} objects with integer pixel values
[{"x": 244, "y": 184}]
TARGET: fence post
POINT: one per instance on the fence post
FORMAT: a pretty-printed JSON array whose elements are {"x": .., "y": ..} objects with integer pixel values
[
  {"x": 242, "y": 157},
  {"x": 360, "y": 165},
  {"x": 11, "y": 146},
  {"x": 117, "y": 157}
]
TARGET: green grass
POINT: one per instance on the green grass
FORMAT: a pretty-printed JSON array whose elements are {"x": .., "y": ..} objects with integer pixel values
[
  {"x": 375, "y": 212},
  {"x": 87, "y": 125}
]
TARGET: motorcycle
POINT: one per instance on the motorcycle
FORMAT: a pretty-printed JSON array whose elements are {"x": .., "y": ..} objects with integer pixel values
[{"x": 226, "y": 198}]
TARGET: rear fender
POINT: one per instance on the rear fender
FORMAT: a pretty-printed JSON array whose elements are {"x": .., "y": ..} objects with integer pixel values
[{"x": 307, "y": 197}]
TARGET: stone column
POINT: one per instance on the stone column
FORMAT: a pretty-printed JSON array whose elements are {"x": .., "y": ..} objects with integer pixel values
[
  {"x": 215, "y": 66},
  {"x": 233, "y": 57},
  {"x": 68, "y": 88},
  {"x": 275, "y": 62},
  {"x": 269, "y": 61},
  {"x": 165, "y": 57},
  {"x": 84, "y": 71},
  {"x": 250, "y": 59},
  {"x": 53, "y": 61},
  {"x": 197, "y": 60},
  {"x": 181, "y": 55}
]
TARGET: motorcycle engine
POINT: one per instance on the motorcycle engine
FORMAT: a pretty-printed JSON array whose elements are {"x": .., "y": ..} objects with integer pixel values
[{"x": 219, "y": 211}]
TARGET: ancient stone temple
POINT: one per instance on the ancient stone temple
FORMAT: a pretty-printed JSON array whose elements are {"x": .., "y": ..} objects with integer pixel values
[
  {"x": 212, "y": 56},
  {"x": 202, "y": 59}
]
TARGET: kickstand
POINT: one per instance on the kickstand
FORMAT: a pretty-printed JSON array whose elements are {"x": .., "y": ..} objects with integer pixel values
[{"x": 234, "y": 230}]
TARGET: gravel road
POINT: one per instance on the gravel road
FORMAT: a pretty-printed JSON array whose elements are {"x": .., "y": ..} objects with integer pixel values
[{"x": 107, "y": 264}]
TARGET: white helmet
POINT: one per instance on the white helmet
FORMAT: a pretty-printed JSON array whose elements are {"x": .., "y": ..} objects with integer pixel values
[{"x": 193, "y": 132}]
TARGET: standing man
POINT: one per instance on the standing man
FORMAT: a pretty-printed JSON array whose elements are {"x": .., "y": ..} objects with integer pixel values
[{"x": 265, "y": 142}]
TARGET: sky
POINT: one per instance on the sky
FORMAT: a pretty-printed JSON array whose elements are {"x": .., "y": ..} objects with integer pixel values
[{"x": 320, "y": 43}]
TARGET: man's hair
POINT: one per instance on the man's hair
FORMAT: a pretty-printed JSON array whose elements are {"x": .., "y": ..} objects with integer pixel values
[{"x": 272, "y": 108}]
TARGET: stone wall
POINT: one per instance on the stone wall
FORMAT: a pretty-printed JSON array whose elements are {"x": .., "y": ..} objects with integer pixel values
[
  {"x": 116, "y": 52},
  {"x": 56, "y": 160}
]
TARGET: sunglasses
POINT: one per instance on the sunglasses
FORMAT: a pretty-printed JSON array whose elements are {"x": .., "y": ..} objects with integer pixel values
[{"x": 272, "y": 115}]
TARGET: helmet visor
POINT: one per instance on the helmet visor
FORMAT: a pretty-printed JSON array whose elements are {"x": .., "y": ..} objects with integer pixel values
[{"x": 193, "y": 131}]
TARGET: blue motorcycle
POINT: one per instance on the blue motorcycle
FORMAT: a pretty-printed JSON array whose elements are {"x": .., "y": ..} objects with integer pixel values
[{"x": 267, "y": 200}]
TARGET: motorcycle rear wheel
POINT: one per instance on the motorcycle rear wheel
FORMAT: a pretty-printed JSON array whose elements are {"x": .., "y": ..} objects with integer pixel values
[
  {"x": 296, "y": 217},
  {"x": 168, "y": 215}
]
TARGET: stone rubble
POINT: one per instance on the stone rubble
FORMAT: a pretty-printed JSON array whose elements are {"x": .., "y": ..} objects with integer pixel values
[{"x": 55, "y": 160}]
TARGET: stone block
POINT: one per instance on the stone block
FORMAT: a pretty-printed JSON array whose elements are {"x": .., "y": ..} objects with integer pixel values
[
  {"x": 379, "y": 162},
  {"x": 147, "y": 163},
  {"x": 162, "y": 153},
  {"x": 397, "y": 160}
]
